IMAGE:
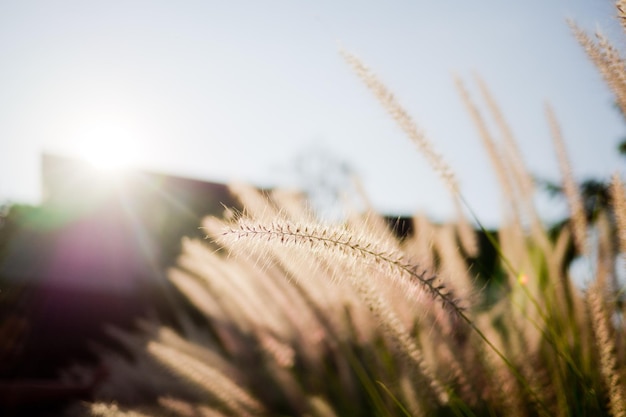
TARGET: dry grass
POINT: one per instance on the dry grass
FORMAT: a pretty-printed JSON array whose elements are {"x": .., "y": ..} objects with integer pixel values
[{"x": 299, "y": 318}]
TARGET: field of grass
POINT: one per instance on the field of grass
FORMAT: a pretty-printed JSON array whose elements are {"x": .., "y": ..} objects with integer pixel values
[{"x": 294, "y": 317}]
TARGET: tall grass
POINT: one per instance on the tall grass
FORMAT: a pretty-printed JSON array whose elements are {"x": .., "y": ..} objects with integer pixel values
[{"x": 298, "y": 318}]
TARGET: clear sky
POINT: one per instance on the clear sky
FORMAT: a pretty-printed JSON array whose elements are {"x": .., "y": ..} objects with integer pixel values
[{"x": 236, "y": 90}]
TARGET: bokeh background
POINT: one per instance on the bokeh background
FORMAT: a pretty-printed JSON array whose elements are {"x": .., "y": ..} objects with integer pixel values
[{"x": 243, "y": 90}]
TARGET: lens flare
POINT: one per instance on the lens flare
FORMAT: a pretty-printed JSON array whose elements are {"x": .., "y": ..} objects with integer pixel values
[{"x": 108, "y": 147}]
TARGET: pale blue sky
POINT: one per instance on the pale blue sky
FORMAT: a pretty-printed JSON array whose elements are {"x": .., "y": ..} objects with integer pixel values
[{"x": 236, "y": 89}]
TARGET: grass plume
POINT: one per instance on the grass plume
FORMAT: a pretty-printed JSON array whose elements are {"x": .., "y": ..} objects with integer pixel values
[
  {"x": 404, "y": 120},
  {"x": 574, "y": 199},
  {"x": 320, "y": 239}
]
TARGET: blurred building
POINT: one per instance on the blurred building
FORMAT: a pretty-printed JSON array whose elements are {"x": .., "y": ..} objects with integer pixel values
[
  {"x": 96, "y": 251},
  {"x": 121, "y": 227}
]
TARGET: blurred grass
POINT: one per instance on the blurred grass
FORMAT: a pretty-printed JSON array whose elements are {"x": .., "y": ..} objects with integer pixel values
[{"x": 300, "y": 318}]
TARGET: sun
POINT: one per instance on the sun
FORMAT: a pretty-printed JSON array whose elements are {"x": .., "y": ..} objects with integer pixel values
[{"x": 108, "y": 147}]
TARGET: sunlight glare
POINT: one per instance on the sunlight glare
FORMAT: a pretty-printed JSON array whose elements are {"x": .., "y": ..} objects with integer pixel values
[{"x": 108, "y": 147}]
